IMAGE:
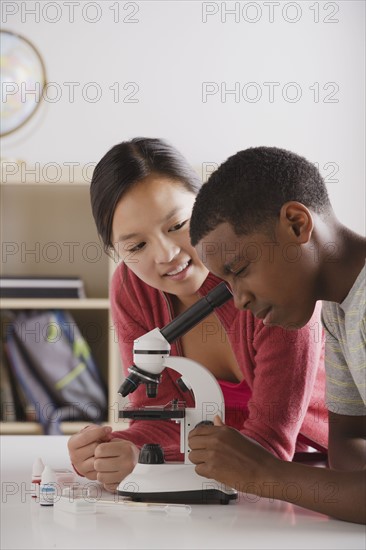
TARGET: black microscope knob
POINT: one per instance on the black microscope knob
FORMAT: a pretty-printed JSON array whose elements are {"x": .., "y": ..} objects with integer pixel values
[
  {"x": 204, "y": 423},
  {"x": 151, "y": 453}
]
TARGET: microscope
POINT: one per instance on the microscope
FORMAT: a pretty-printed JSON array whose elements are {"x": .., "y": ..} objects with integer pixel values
[{"x": 153, "y": 479}]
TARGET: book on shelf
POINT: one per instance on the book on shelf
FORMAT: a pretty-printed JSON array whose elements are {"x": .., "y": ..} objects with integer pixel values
[{"x": 41, "y": 287}]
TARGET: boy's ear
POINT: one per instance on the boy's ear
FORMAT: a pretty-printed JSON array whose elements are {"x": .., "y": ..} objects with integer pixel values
[{"x": 297, "y": 220}]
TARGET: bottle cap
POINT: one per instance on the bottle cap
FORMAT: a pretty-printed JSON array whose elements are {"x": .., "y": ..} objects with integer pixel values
[
  {"x": 48, "y": 476},
  {"x": 38, "y": 467}
]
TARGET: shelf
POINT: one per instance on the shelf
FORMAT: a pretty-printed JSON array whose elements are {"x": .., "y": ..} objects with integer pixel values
[
  {"x": 33, "y": 428},
  {"x": 54, "y": 303},
  {"x": 47, "y": 229},
  {"x": 16, "y": 428},
  {"x": 68, "y": 428}
]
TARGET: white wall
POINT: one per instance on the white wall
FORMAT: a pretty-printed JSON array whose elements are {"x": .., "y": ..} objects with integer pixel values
[{"x": 170, "y": 50}]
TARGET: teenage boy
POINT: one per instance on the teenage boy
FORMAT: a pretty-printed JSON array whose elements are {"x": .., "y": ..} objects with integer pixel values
[{"x": 263, "y": 223}]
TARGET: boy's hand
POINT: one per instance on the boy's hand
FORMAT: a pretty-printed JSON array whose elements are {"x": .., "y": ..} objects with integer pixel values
[
  {"x": 226, "y": 455},
  {"x": 114, "y": 461},
  {"x": 82, "y": 448}
]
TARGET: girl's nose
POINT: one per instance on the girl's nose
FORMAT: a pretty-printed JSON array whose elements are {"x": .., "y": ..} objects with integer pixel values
[{"x": 167, "y": 250}]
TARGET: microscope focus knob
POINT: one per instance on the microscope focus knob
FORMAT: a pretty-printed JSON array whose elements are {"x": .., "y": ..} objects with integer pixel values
[
  {"x": 151, "y": 453},
  {"x": 204, "y": 423}
]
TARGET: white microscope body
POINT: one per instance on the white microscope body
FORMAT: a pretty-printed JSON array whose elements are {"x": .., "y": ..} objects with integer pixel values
[{"x": 152, "y": 478}]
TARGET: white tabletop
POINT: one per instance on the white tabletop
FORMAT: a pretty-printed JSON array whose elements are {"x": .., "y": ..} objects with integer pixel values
[{"x": 249, "y": 523}]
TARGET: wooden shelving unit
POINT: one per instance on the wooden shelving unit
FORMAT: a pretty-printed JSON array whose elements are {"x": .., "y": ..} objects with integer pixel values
[{"x": 47, "y": 229}]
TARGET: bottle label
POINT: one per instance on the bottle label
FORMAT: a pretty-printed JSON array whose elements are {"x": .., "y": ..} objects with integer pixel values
[{"x": 47, "y": 495}]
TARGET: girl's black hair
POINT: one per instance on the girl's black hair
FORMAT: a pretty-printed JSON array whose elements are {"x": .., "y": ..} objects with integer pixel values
[{"x": 125, "y": 165}]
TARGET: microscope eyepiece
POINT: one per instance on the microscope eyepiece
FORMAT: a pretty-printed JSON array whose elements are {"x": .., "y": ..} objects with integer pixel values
[{"x": 198, "y": 311}]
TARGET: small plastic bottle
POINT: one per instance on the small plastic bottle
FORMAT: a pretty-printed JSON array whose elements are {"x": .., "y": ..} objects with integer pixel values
[
  {"x": 37, "y": 470},
  {"x": 47, "y": 491}
]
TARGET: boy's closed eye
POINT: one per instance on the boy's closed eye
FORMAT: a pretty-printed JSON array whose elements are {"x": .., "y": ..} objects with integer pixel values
[
  {"x": 241, "y": 271},
  {"x": 228, "y": 270}
]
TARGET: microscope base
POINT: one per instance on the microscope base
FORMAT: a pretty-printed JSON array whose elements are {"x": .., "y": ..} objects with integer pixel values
[{"x": 173, "y": 482}]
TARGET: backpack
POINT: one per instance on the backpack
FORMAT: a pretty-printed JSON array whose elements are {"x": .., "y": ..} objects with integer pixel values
[{"x": 55, "y": 369}]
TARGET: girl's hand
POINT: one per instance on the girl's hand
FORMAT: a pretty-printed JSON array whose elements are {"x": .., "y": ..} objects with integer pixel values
[
  {"x": 82, "y": 448},
  {"x": 114, "y": 461}
]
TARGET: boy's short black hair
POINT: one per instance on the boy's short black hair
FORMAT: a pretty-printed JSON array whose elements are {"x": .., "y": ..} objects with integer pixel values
[{"x": 250, "y": 187}]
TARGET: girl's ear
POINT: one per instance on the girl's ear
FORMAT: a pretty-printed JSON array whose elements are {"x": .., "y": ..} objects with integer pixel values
[{"x": 297, "y": 220}]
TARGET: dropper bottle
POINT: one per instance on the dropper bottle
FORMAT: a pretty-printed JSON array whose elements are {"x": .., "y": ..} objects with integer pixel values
[
  {"x": 37, "y": 470},
  {"x": 47, "y": 492}
]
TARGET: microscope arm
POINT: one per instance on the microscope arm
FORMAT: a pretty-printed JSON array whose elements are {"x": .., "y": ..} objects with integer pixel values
[
  {"x": 152, "y": 349},
  {"x": 209, "y": 400}
]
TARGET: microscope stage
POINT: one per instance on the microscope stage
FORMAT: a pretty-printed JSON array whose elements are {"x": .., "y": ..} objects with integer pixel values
[{"x": 163, "y": 412}]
